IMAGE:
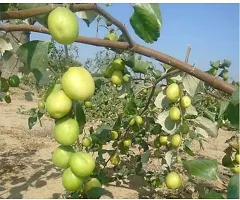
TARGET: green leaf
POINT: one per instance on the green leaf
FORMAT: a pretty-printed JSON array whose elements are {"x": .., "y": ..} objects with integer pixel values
[
  {"x": 188, "y": 150},
  {"x": 96, "y": 193},
  {"x": 32, "y": 121},
  {"x": 210, "y": 115},
  {"x": 7, "y": 55},
  {"x": 233, "y": 187},
  {"x": 88, "y": 16},
  {"x": 5, "y": 44},
  {"x": 227, "y": 161},
  {"x": 118, "y": 122},
  {"x": 168, "y": 158},
  {"x": 4, "y": 7},
  {"x": 235, "y": 97},
  {"x": 233, "y": 114},
  {"x": 34, "y": 55},
  {"x": 204, "y": 169},
  {"x": 216, "y": 64},
  {"x": 222, "y": 107},
  {"x": 206, "y": 124},
  {"x": 166, "y": 67},
  {"x": 80, "y": 116},
  {"x": 130, "y": 107},
  {"x": 226, "y": 64},
  {"x": 145, "y": 156},
  {"x": 28, "y": 96},
  {"x": 192, "y": 85},
  {"x": 147, "y": 21},
  {"x": 212, "y": 195},
  {"x": 161, "y": 100}
]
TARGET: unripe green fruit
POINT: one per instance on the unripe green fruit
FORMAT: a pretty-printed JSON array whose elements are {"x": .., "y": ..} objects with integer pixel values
[
  {"x": 163, "y": 139},
  {"x": 235, "y": 169},
  {"x": 126, "y": 78},
  {"x": 174, "y": 113},
  {"x": 139, "y": 120},
  {"x": 117, "y": 77},
  {"x": 157, "y": 154},
  {"x": 127, "y": 142},
  {"x": 184, "y": 128},
  {"x": 92, "y": 183},
  {"x": 118, "y": 64},
  {"x": 173, "y": 180},
  {"x": 173, "y": 92},
  {"x": 176, "y": 141},
  {"x": 86, "y": 142},
  {"x": 70, "y": 181},
  {"x": 132, "y": 122},
  {"x": 88, "y": 104},
  {"x": 115, "y": 159},
  {"x": 237, "y": 158},
  {"x": 185, "y": 102},
  {"x": 114, "y": 135},
  {"x": 111, "y": 36}
]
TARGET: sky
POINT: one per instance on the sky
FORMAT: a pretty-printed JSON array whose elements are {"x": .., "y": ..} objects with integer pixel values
[{"x": 212, "y": 30}]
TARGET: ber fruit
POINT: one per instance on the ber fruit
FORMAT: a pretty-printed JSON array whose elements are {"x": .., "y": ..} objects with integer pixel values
[
  {"x": 237, "y": 158},
  {"x": 115, "y": 159},
  {"x": 86, "y": 142},
  {"x": 88, "y": 104},
  {"x": 111, "y": 36},
  {"x": 114, "y": 135},
  {"x": 173, "y": 180},
  {"x": 173, "y": 92},
  {"x": 174, "y": 113},
  {"x": 118, "y": 64},
  {"x": 185, "y": 102},
  {"x": 139, "y": 120},
  {"x": 117, "y": 77},
  {"x": 176, "y": 140},
  {"x": 78, "y": 83},
  {"x": 63, "y": 25},
  {"x": 92, "y": 183},
  {"x": 163, "y": 139}
]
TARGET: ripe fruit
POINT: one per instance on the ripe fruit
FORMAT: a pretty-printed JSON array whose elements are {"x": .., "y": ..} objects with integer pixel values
[
  {"x": 139, "y": 120},
  {"x": 176, "y": 140},
  {"x": 66, "y": 131},
  {"x": 127, "y": 143},
  {"x": 70, "y": 181},
  {"x": 185, "y": 101},
  {"x": 126, "y": 78},
  {"x": 63, "y": 25},
  {"x": 78, "y": 83},
  {"x": 237, "y": 158},
  {"x": 86, "y": 142},
  {"x": 163, "y": 139},
  {"x": 184, "y": 128},
  {"x": 174, "y": 113},
  {"x": 114, "y": 135},
  {"x": 173, "y": 180},
  {"x": 118, "y": 64},
  {"x": 13, "y": 81},
  {"x": 82, "y": 164},
  {"x": 173, "y": 92},
  {"x": 61, "y": 156},
  {"x": 88, "y": 104},
  {"x": 117, "y": 77},
  {"x": 132, "y": 122},
  {"x": 111, "y": 36},
  {"x": 58, "y": 104},
  {"x": 115, "y": 159},
  {"x": 92, "y": 183}
]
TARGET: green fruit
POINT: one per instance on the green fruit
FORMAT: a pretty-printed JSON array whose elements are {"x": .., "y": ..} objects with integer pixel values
[
  {"x": 86, "y": 142},
  {"x": 7, "y": 99},
  {"x": 144, "y": 91},
  {"x": 82, "y": 164},
  {"x": 118, "y": 64},
  {"x": 184, "y": 128},
  {"x": 66, "y": 131},
  {"x": 63, "y": 25},
  {"x": 237, "y": 158},
  {"x": 13, "y": 81},
  {"x": 41, "y": 104},
  {"x": 132, "y": 122},
  {"x": 111, "y": 36},
  {"x": 127, "y": 142},
  {"x": 108, "y": 23},
  {"x": 157, "y": 154},
  {"x": 176, "y": 141},
  {"x": 58, "y": 104},
  {"x": 117, "y": 77},
  {"x": 126, "y": 78},
  {"x": 114, "y": 135},
  {"x": 174, "y": 113},
  {"x": 139, "y": 120},
  {"x": 225, "y": 76},
  {"x": 163, "y": 139},
  {"x": 179, "y": 159},
  {"x": 235, "y": 169},
  {"x": 88, "y": 104},
  {"x": 185, "y": 102},
  {"x": 213, "y": 71},
  {"x": 78, "y": 83},
  {"x": 4, "y": 86},
  {"x": 173, "y": 180},
  {"x": 61, "y": 156},
  {"x": 70, "y": 181},
  {"x": 92, "y": 183},
  {"x": 173, "y": 92},
  {"x": 115, "y": 159}
]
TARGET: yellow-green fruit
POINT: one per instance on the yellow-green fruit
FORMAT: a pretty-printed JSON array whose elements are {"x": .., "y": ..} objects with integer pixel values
[
  {"x": 63, "y": 25},
  {"x": 58, "y": 104},
  {"x": 86, "y": 142},
  {"x": 237, "y": 158},
  {"x": 114, "y": 135},
  {"x": 132, "y": 122},
  {"x": 184, "y": 128},
  {"x": 92, "y": 183},
  {"x": 174, "y": 113},
  {"x": 185, "y": 101},
  {"x": 173, "y": 92},
  {"x": 127, "y": 142},
  {"x": 111, "y": 36},
  {"x": 118, "y": 64},
  {"x": 176, "y": 140},
  {"x": 126, "y": 78},
  {"x": 163, "y": 139},
  {"x": 235, "y": 169},
  {"x": 173, "y": 180},
  {"x": 139, "y": 120},
  {"x": 117, "y": 77},
  {"x": 115, "y": 159},
  {"x": 88, "y": 104},
  {"x": 78, "y": 83}
]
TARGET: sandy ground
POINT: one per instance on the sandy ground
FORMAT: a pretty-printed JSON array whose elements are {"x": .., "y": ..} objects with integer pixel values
[{"x": 26, "y": 170}]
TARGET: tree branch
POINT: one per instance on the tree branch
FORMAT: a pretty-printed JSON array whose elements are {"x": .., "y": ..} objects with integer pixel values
[{"x": 209, "y": 79}]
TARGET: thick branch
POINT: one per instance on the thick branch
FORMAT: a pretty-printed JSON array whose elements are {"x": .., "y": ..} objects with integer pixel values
[
  {"x": 27, "y": 13},
  {"x": 209, "y": 79}
]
